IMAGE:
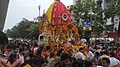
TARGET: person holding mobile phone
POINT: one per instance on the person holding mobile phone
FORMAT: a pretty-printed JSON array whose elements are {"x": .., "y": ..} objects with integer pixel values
[{"x": 3, "y": 61}]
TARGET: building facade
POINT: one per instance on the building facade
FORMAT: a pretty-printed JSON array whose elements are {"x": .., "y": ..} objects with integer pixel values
[
  {"x": 3, "y": 12},
  {"x": 116, "y": 23}
]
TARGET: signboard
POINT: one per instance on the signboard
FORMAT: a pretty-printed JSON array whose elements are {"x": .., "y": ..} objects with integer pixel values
[
  {"x": 84, "y": 23},
  {"x": 87, "y": 25}
]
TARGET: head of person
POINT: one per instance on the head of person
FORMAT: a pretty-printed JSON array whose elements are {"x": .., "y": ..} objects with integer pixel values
[
  {"x": 21, "y": 51},
  {"x": 81, "y": 49},
  {"x": 26, "y": 53},
  {"x": 94, "y": 62},
  {"x": 52, "y": 54},
  {"x": 105, "y": 53},
  {"x": 16, "y": 49},
  {"x": 9, "y": 47},
  {"x": 3, "y": 40},
  {"x": 112, "y": 54},
  {"x": 39, "y": 52},
  {"x": 88, "y": 63},
  {"x": 65, "y": 59},
  {"x": 78, "y": 63},
  {"x": 105, "y": 62},
  {"x": 70, "y": 52},
  {"x": 44, "y": 65}
]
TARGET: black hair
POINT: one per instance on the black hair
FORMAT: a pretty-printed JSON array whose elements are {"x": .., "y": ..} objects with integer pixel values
[
  {"x": 15, "y": 46},
  {"x": 60, "y": 52},
  {"x": 112, "y": 54},
  {"x": 52, "y": 54},
  {"x": 81, "y": 48},
  {"x": 78, "y": 63},
  {"x": 41, "y": 37},
  {"x": 107, "y": 60},
  {"x": 21, "y": 50},
  {"x": 64, "y": 56},
  {"x": 70, "y": 50},
  {"x": 88, "y": 63},
  {"x": 106, "y": 52},
  {"x": 9, "y": 46},
  {"x": 35, "y": 44},
  {"x": 3, "y": 38},
  {"x": 39, "y": 51},
  {"x": 47, "y": 47}
]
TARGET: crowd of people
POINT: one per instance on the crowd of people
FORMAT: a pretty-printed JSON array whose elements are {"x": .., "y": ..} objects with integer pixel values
[{"x": 17, "y": 53}]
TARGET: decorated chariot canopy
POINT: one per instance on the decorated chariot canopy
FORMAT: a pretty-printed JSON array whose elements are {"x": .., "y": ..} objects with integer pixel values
[
  {"x": 58, "y": 14},
  {"x": 57, "y": 18}
]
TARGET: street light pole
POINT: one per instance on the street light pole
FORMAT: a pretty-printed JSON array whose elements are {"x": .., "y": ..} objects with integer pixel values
[
  {"x": 39, "y": 9},
  {"x": 90, "y": 15},
  {"x": 118, "y": 30}
]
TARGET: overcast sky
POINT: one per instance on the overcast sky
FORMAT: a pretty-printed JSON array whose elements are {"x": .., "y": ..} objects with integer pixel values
[{"x": 28, "y": 9}]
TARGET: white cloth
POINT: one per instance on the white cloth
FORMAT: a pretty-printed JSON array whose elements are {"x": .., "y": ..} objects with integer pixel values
[
  {"x": 69, "y": 42},
  {"x": 40, "y": 41},
  {"x": 113, "y": 61},
  {"x": 91, "y": 55},
  {"x": 35, "y": 49},
  {"x": 79, "y": 55},
  {"x": 50, "y": 60},
  {"x": 99, "y": 66}
]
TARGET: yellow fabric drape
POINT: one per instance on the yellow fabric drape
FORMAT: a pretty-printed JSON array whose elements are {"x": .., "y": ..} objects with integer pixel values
[{"x": 49, "y": 12}]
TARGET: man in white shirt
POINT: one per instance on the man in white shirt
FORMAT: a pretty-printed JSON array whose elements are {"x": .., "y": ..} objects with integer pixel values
[
  {"x": 69, "y": 42},
  {"x": 80, "y": 55},
  {"x": 90, "y": 54},
  {"x": 113, "y": 60}
]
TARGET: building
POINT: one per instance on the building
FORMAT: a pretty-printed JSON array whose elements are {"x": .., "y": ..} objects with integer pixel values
[
  {"x": 102, "y": 3},
  {"x": 3, "y": 12},
  {"x": 112, "y": 27},
  {"x": 116, "y": 23},
  {"x": 75, "y": 1}
]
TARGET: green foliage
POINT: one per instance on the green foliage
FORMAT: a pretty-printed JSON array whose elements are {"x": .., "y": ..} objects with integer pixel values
[
  {"x": 98, "y": 27},
  {"x": 82, "y": 11},
  {"x": 112, "y": 9},
  {"x": 34, "y": 30},
  {"x": 109, "y": 11},
  {"x": 24, "y": 29}
]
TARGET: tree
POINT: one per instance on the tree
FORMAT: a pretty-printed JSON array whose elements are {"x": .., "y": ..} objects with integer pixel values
[
  {"x": 89, "y": 9},
  {"x": 112, "y": 9},
  {"x": 34, "y": 30},
  {"x": 24, "y": 29},
  {"x": 13, "y": 32}
]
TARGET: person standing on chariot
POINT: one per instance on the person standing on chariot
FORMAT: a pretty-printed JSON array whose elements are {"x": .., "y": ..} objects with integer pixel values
[{"x": 41, "y": 39}]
